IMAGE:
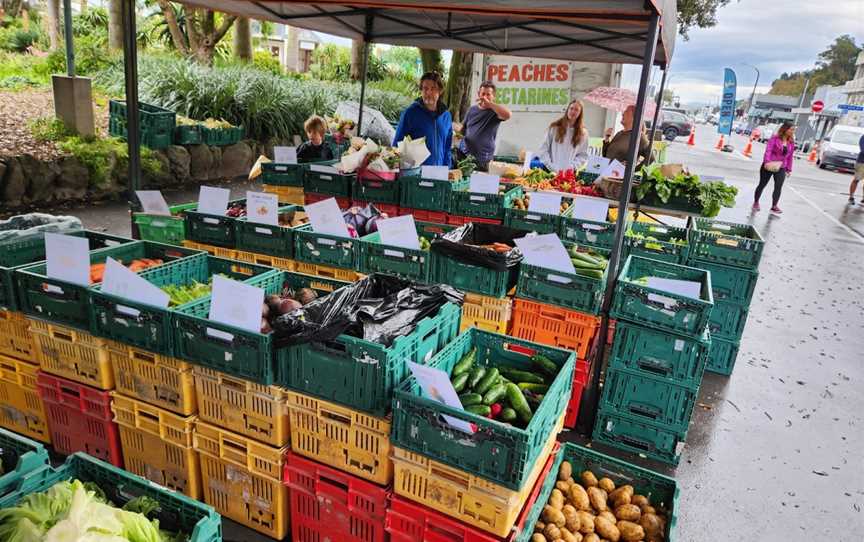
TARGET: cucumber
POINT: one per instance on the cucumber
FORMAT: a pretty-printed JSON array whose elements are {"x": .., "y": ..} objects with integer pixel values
[
  {"x": 591, "y": 260},
  {"x": 469, "y": 399},
  {"x": 487, "y": 381},
  {"x": 465, "y": 363},
  {"x": 507, "y": 415},
  {"x": 518, "y": 402},
  {"x": 476, "y": 375},
  {"x": 544, "y": 364},
  {"x": 494, "y": 394},
  {"x": 536, "y": 388},
  {"x": 460, "y": 381},
  {"x": 592, "y": 273},
  {"x": 480, "y": 410},
  {"x": 516, "y": 375}
]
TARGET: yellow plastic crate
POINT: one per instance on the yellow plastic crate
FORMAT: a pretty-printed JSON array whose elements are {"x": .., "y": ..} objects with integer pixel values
[
  {"x": 21, "y": 408},
  {"x": 264, "y": 259},
  {"x": 293, "y": 195},
  {"x": 242, "y": 479},
  {"x": 340, "y": 437},
  {"x": 74, "y": 354},
  {"x": 221, "y": 252},
  {"x": 466, "y": 497},
  {"x": 347, "y": 275},
  {"x": 160, "y": 380},
  {"x": 157, "y": 444},
  {"x": 486, "y": 313},
  {"x": 250, "y": 409},
  {"x": 15, "y": 338}
]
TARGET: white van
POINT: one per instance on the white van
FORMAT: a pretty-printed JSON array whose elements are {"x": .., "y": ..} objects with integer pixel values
[{"x": 840, "y": 149}]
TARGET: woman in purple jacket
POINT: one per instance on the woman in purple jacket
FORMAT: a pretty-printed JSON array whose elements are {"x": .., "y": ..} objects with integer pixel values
[{"x": 777, "y": 162}]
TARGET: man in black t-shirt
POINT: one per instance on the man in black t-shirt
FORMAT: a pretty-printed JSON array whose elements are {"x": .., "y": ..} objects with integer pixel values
[{"x": 480, "y": 127}]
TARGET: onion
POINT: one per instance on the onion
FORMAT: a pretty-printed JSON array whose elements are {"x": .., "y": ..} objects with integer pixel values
[{"x": 288, "y": 305}]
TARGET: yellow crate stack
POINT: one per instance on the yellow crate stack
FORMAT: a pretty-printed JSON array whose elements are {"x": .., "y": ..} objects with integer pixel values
[
  {"x": 15, "y": 338},
  {"x": 486, "y": 313},
  {"x": 160, "y": 380},
  {"x": 21, "y": 408},
  {"x": 74, "y": 354}
]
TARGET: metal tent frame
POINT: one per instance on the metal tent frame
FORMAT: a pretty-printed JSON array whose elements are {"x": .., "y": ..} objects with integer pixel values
[{"x": 619, "y": 31}]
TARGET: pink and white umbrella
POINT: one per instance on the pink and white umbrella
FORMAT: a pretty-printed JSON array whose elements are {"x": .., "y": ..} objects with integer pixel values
[{"x": 617, "y": 99}]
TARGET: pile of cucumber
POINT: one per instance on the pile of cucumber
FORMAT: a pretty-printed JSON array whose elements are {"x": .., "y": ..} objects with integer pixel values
[
  {"x": 504, "y": 394},
  {"x": 588, "y": 264}
]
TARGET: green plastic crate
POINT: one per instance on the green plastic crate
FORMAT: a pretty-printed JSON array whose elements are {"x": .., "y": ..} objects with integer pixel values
[
  {"x": 211, "y": 229},
  {"x": 165, "y": 229},
  {"x": 19, "y": 457},
  {"x": 726, "y": 243},
  {"x": 636, "y": 302},
  {"x": 651, "y": 440},
  {"x": 675, "y": 359},
  {"x": 722, "y": 356},
  {"x": 156, "y": 123},
  {"x": 508, "y": 158},
  {"x": 375, "y": 190},
  {"x": 426, "y": 194},
  {"x": 20, "y": 254},
  {"x": 244, "y": 354},
  {"x": 323, "y": 249},
  {"x": 522, "y": 219},
  {"x": 187, "y": 134},
  {"x": 473, "y": 278},
  {"x": 587, "y": 178},
  {"x": 661, "y": 490},
  {"x": 149, "y": 327},
  {"x": 498, "y": 452},
  {"x": 643, "y": 397},
  {"x": 667, "y": 243},
  {"x": 176, "y": 513},
  {"x": 219, "y": 137},
  {"x": 732, "y": 284},
  {"x": 283, "y": 174},
  {"x": 463, "y": 202},
  {"x": 68, "y": 304},
  {"x": 321, "y": 285},
  {"x": 568, "y": 290},
  {"x": 363, "y": 374},
  {"x": 328, "y": 183},
  {"x": 587, "y": 232},
  {"x": 415, "y": 265},
  {"x": 265, "y": 238},
  {"x": 727, "y": 320}
]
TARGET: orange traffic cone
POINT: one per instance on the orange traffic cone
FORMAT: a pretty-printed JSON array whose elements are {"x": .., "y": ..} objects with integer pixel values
[
  {"x": 692, "y": 140},
  {"x": 748, "y": 149},
  {"x": 812, "y": 156},
  {"x": 719, "y": 145}
]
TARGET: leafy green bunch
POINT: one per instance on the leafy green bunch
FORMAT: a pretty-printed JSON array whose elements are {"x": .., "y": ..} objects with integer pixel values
[{"x": 708, "y": 196}]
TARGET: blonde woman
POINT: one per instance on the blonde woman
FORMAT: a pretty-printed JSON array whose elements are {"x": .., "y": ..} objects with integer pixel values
[{"x": 566, "y": 143}]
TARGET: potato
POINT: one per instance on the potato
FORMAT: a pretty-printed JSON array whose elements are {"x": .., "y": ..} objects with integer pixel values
[
  {"x": 639, "y": 500},
  {"x": 648, "y": 509},
  {"x": 552, "y": 515},
  {"x": 572, "y": 518},
  {"x": 597, "y": 498},
  {"x": 588, "y": 479},
  {"x": 652, "y": 524},
  {"x": 608, "y": 515},
  {"x": 538, "y": 538},
  {"x": 579, "y": 497},
  {"x": 552, "y": 532},
  {"x": 586, "y": 522},
  {"x": 565, "y": 471},
  {"x": 606, "y": 529},
  {"x": 556, "y": 499},
  {"x": 606, "y": 484},
  {"x": 563, "y": 487},
  {"x": 628, "y": 512},
  {"x": 621, "y": 495},
  {"x": 631, "y": 532},
  {"x": 567, "y": 536},
  {"x": 591, "y": 537},
  {"x": 539, "y": 526}
]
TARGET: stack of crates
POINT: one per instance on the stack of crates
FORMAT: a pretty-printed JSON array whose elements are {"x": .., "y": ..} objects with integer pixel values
[
  {"x": 284, "y": 180},
  {"x": 156, "y": 125},
  {"x": 658, "y": 357},
  {"x": 731, "y": 252}
]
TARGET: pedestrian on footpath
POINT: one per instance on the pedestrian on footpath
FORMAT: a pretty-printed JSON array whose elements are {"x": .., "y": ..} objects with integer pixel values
[
  {"x": 776, "y": 163},
  {"x": 859, "y": 173}
]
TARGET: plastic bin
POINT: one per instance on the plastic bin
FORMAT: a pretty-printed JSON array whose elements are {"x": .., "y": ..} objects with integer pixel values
[
  {"x": 158, "y": 379},
  {"x": 329, "y": 182},
  {"x": 657, "y": 241},
  {"x": 265, "y": 260},
  {"x": 344, "y": 438},
  {"x": 587, "y": 232},
  {"x": 415, "y": 265},
  {"x": 187, "y": 134},
  {"x": 554, "y": 326},
  {"x": 219, "y": 252},
  {"x": 15, "y": 337},
  {"x": 286, "y": 195},
  {"x": 726, "y": 243},
  {"x": 486, "y": 313},
  {"x": 327, "y": 504},
  {"x": 212, "y": 229},
  {"x": 729, "y": 284},
  {"x": 268, "y": 239},
  {"x": 728, "y": 321},
  {"x": 567, "y": 290},
  {"x": 642, "y": 397},
  {"x": 463, "y": 202},
  {"x": 242, "y": 479},
  {"x": 73, "y": 354},
  {"x": 220, "y": 137},
  {"x": 581, "y": 377},
  {"x": 19, "y": 457},
  {"x": 362, "y": 374},
  {"x": 523, "y": 219},
  {"x": 497, "y": 452},
  {"x": 367, "y": 187},
  {"x": 422, "y": 215},
  {"x": 22, "y": 410},
  {"x": 650, "y": 440},
  {"x": 80, "y": 419},
  {"x": 426, "y": 194},
  {"x": 457, "y": 220},
  {"x": 310, "y": 198},
  {"x": 157, "y": 445},
  {"x": 721, "y": 356},
  {"x": 156, "y": 124},
  {"x": 324, "y": 249},
  {"x": 276, "y": 174},
  {"x": 336, "y": 274},
  {"x": 383, "y": 208},
  {"x": 164, "y": 229},
  {"x": 473, "y": 278}
]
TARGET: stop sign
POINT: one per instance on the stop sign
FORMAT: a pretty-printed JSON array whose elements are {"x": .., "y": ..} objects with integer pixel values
[{"x": 817, "y": 106}]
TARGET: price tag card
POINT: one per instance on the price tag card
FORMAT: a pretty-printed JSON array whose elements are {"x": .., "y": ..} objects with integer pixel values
[
  {"x": 546, "y": 251},
  {"x": 236, "y": 304},
  {"x": 526, "y": 165},
  {"x": 122, "y": 282},
  {"x": 614, "y": 170},
  {"x": 262, "y": 208},
  {"x": 399, "y": 232},
  {"x": 484, "y": 183},
  {"x": 437, "y": 386},
  {"x": 212, "y": 200},
  {"x": 323, "y": 169},
  {"x": 586, "y": 208},
  {"x": 153, "y": 202},
  {"x": 326, "y": 218},
  {"x": 285, "y": 155},
  {"x": 686, "y": 288},
  {"x": 438, "y": 173},
  {"x": 596, "y": 164},
  {"x": 545, "y": 202},
  {"x": 68, "y": 258}
]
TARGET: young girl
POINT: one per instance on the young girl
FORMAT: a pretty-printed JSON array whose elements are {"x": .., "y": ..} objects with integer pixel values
[
  {"x": 566, "y": 143},
  {"x": 314, "y": 150},
  {"x": 777, "y": 162}
]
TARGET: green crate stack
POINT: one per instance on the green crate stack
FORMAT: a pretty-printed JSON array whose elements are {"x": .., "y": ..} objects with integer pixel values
[
  {"x": 416, "y": 265},
  {"x": 657, "y": 360},
  {"x": 369, "y": 189},
  {"x": 657, "y": 241},
  {"x": 731, "y": 252},
  {"x": 272, "y": 240},
  {"x": 220, "y": 137},
  {"x": 329, "y": 183},
  {"x": 587, "y": 232},
  {"x": 523, "y": 219},
  {"x": 426, "y": 194},
  {"x": 212, "y": 229},
  {"x": 463, "y": 202},
  {"x": 569, "y": 290},
  {"x": 20, "y": 457},
  {"x": 156, "y": 124},
  {"x": 165, "y": 229}
]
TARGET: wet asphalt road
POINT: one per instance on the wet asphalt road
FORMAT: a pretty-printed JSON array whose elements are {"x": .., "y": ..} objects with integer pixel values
[{"x": 774, "y": 452}]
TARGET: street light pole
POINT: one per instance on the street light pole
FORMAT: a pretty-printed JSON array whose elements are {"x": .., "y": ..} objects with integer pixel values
[{"x": 753, "y": 94}]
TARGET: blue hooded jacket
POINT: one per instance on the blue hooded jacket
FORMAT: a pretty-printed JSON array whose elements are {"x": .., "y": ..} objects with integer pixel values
[{"x": 436, "y": 126}]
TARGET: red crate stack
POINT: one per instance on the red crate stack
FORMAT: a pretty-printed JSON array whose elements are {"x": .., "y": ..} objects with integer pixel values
[
  {"x": 309, "y": 198},
  {"x": 424, "y": 216},
  {"x": 386, "y": 208}
]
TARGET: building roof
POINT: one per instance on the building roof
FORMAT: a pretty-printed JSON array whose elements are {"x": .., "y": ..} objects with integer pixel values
[
  {"x": 782, "y": 115},
  {"x": 776, "y": 100}
]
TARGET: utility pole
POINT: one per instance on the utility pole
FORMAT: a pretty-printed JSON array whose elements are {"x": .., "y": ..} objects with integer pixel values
[
  {"x": 804, "y": 92},
  {"x": 753, "y": 93}
]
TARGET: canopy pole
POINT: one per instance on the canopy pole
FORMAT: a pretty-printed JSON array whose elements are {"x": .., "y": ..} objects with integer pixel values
[
  {"x": 367, "y": 37},
  {"x": 591, "y": 397},
  {"x": 70, "y": 49},
  {"x": 133, "y": 135},
  {"x": 657, "y": 109}
]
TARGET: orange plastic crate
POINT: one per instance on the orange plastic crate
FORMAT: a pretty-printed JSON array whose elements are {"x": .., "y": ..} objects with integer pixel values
[
  {"x": 266, "y": 259},
  {"x": 15, "y": 338},
  {"x": 555, "y": 326}
]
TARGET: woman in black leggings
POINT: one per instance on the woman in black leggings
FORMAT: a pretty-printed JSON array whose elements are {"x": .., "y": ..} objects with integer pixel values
[{"x": 776, "y": 163}]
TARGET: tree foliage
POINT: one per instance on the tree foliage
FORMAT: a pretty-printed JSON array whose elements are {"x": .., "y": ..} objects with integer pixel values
[
  {"x": 697, "y": 13},
  {"x": 834, "y": 66}
]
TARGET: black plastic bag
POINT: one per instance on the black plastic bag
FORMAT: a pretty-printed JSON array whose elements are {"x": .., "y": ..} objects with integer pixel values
[
  {"x": 456, "y": 245},
  {"x": 378, "y": 308}
]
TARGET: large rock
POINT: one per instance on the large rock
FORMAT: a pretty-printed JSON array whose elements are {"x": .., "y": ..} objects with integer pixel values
[
  {"x": 73, "y": 181},
  {"x": 41, "y": 175},
  {"x": 179, "y": 162},
  {"x": 216, "y": 169},
  {"x": 14, "y": 184},
  {"x": 200, "y": 162},
  {"x": 160, "y": 178},
  {"x": 237, "y": 160}
]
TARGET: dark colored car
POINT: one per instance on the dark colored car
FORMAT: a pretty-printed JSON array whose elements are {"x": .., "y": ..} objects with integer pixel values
[{"x": 674, "y": 124}]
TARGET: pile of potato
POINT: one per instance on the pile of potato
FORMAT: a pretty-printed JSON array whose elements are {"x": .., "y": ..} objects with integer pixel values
[{"x": 597, "y": 511}]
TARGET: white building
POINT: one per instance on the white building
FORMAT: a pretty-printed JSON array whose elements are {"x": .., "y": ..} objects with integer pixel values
[
  {"x": 854, "y": 90},
  {"x": 292, "y": 46}
]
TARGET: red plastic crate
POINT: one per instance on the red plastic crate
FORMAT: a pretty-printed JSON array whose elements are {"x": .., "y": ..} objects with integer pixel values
[
  {"x": 421, "y": 215},
  {"x": 80, "y": 418},
  {"x": 457, "y": 220},
  {"x": 580, "y": 380},
  {"x": 391, "y": 210},
  {"x": 408, "y": 521},
  {"x": 328, "y": 504},
  {"x": 309, "y": 197}
]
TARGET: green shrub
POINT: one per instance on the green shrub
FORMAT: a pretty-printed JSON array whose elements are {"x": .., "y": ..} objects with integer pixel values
[
  {"x": 104, "y": 156},
  {"x": 266, "y": 62},
  {"x": 48, "y": 129}
]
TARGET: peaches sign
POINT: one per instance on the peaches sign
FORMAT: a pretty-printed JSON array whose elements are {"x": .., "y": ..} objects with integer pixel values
[{"x": 530, "y": 85}]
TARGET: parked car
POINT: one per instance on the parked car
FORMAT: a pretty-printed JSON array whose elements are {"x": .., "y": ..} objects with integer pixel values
[
  {"x": 840, "y": 149},
  {"x": 738, "y": 127},
  {"x": 766, "y": 131},
  {"x": 674, "y": 124}
]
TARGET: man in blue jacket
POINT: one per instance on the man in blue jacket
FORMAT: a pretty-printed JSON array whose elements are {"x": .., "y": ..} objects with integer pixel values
[{"x": 428, "y": 117}]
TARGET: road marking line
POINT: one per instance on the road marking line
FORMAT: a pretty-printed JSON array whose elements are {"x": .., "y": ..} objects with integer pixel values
[{"x": 855, "y": 235}]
